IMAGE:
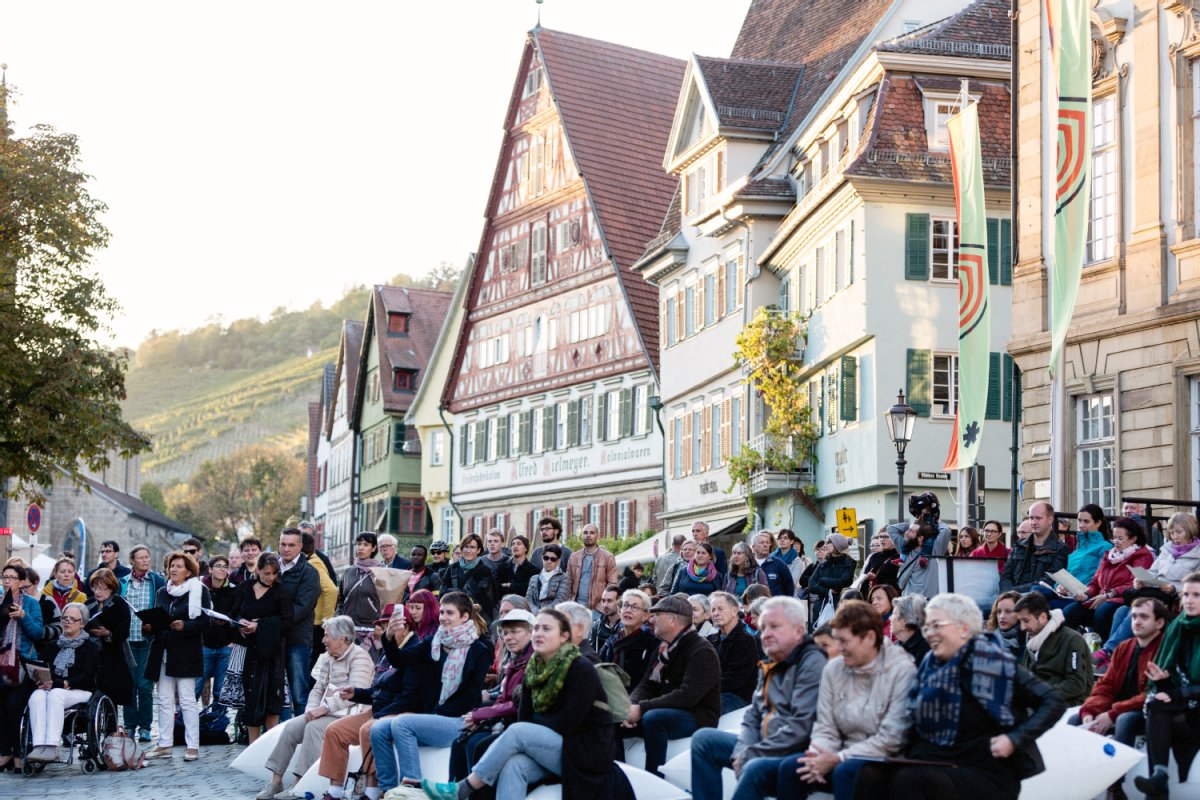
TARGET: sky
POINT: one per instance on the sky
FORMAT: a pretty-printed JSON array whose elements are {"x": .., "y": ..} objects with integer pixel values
[{"x": 261, "y": 153}]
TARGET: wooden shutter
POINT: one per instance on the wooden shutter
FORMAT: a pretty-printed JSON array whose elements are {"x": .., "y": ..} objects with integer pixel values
[
  {"x": 662, "y": 322},
  {"x": 719, "y": 178},
  {"x": 548, "y": 437},
  {"x": 706, "y": 440},
  {"x": 687, "y": 443},
  {"x": 741, "y": 279},
  {"x": 502, "y": 436},
  {"x": 993, "y": 250},
  {"x": 917, "y": 383},
  {"x": 626, "y": 412},
  {"x": 719, "y": 300},
  {"x": 462, "y": 445},
  {"x": 393, "y": 522},
  {"x": 1006, "y": 251},
  {"x": 681, "y": 315},
  {"x": 916, "y": 247},
  {"x": 726, "y": 428},
  {"x": 526, "y": 432},
  {"x": 649, "y": 411},
  {"x": 995, "y": 392},
  {"x": 480, "y": 441},
  {"x": 610, "y": 528},
  {"x": 1006, "y": 375},
  {"x": 601, "y": 407},
  {"x": 573, "y": 422},
  {"x": 633, "y": 526},
  {"x": 685, "y": 186},
  {"x": 848, "y": 391},
  {"x": 699, "y": 303},
  {"x": 670, "y": 448}
]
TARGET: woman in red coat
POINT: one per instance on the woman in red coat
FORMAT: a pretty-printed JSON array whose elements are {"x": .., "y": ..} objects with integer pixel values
[{"x": 1104, "y": 594}]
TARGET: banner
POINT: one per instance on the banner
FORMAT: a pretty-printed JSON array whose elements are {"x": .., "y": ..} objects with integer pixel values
[
  {"x": 974, "y": 314},
  {"x": 1071, "y": 56}
]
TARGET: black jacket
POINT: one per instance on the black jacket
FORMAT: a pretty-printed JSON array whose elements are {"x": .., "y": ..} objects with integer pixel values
[
  {"x": 738, "y": 654},
  {"x": 512, "y": 578},
  {"x": 430, "y": 581},
  {"x": 183, "y": 650},
  {"x": 691, "y": 681},
  {"x": 114, "y": 678},
  {"x": 1029, "y": 563},
  {"x": 633, "y": 653},
  {"x": 831, "y": 575},
  {"x": 480, "y": 584},
  {"x": 223, "y": 601},
  {"x": 80, "y": 675},
  {"x": 303, "y": 586},
  {"x": 468, "y": 696},
  {"x": 397, "y": 689}
]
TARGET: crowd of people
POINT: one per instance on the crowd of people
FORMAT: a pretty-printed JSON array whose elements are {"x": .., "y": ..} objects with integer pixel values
[{"x": 852, "y": 673}]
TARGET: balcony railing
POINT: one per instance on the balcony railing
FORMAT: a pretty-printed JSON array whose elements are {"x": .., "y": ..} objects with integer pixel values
[{"x": 770, "y": 478}]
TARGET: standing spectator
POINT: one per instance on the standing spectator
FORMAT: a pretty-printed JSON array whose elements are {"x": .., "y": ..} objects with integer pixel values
[
  {"x": 681, "y": 692},
  {"x": 908, "y": 619},
  {"x": 109, "y": 620},
  {"x": 924, "y": 507},
  {"x": 591, "y": 569},
  {"x": 327, "y": 603},
  {"x": 916, "y": 548},
  {"x": 495, "y": 558},
  {"x": 466, "y": 576},
  {"x": 993, "y": 544},
  {"x": 700, "y": 575},
  {"x": 437, "y": 555},
  {"x": 218, "y": 638},
  {"x": 791, "y": 552},
  {"x": 820, "y": 550},
  {"x": 700, "y": 536},
  {"x": 632, "y": 577},
  {"x": 551, "y": 586},
  {"x": 779, "y": 577},
  {"x": 832, "y": 575},
  {"x": 421, "y": 576},
  {"x": 266, "y": 612},
  {"x": 634, "y": 644},
  {"x": 140, "y": 588},
  {"x": 1105, "y": 594},
  {"x": 743, "y": 572},
  {"x": 664, "y": 566},
  {"x": 388, "y": 554},
  {"x": 357, "y": 597},
  {"x": 63, "y": 588},
  {"x": 1172, "y": 712},
  {"x": 301, "y": 582},
  {"x": 606, "y": 619},
  {"x": 1004, "y": 621},
  {"x": 235, "y": 562},
  {"x": 686, "y": 553},
  {"x": 514, "y": 577},
  {"x": 110, "y": 558},
  {"x": 21, "y": 624},
  {"x": 737, "y": 652},
  {"x": 177, "y": 657},
  {"x": 1040, "y": 553},
  {"x": 250, "y": 548},
  {"x": 195, "y": 548},
  {"x": 777, "y": 727},
  {"x": 551, "y": 531},
  {"x": 1053, "y": 652},
  {"x": 308, "y": 538}
]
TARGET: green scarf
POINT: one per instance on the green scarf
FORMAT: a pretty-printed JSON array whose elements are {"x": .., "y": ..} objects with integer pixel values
[
  {"x": 1171, "y": 649},
  {"x": 546, "y": 678}
]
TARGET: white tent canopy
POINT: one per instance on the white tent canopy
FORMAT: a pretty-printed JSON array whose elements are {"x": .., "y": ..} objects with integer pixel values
[{"x": 646, "y": 552}]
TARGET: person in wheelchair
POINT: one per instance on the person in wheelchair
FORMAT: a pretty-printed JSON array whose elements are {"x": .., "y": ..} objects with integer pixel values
[{"x": 74, "y": 660}]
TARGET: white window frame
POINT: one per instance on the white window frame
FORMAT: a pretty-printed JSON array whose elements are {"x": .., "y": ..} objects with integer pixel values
[
  {"x": 538, "y": 270},
  {"x": 502, "y": 523},
  {"x": 594, "y": 514},
  {"x": 624, "y": 523},
  {"x": 698, "y": 434},
  {"x": 1096, "y": 450},
  {"x": 514, "y": 434},
  {"x": 612, "y": 421},
  {"x": 469, "y": 454},
  {"x": 538, "y": 420},
  {"x": 641, "y": 397},
  {"x": 944, "y": 393},
  {"x": 943, "y": 228},
  {"x": 437, "y": 448},
  {"x": 585, "y": 420},
  {"x": 560, "y": 426},
  {"x": 938, "y": 110},
  {"x": 1103, "y": 208},
  {"x": 447, "y": 524},
  {"x": 492, "y": 444},
  {"x": 677, "y": 459}
]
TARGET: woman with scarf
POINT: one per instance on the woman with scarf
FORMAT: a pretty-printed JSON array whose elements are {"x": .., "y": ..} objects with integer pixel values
[
  {"x": 74, "y": 660},
  {"x": 1105, "y": 593},
  {"x": 465, "y": 576},
  {"x": 110, "y": 616},
  {"x": 634, "y": 645},
  {"x": 264, "y": 611},
  {"x": 218, "y": 639},
  {"x": 63, "y": 588},
  {"x": 552, "y": 585},
  {"x": 1003, "y": 621},
  {"x": 177, "y": 655},
  {"x": 21, "y": 624},
  {"x": 967, "y": 711},
  {"x": 357, "y": 596},
  {"x": 881, "y": 599},
  {"x": 1172, "y": 707},
  {"x": 743, "y": 571},
  {"x": 791, "y": 552},
  {"x": 699, "y": 576},
  {"x": 454, "y": 661},
  {"x": 562, "y": 732}
]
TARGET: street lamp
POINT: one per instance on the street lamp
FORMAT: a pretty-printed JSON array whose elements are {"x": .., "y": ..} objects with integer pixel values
[{"x": 900, "y": 421}]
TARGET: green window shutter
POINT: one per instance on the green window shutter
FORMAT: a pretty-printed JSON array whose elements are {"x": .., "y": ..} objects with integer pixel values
[
  {"x": 462, "y": 445},
  {"x": 849, "y": 389},
  {"x": 917, "y": 384},
  {"x": 993, "y": 250},
  {"x": 480, "y": 441},
  {"x": 502, "y": 436},
  {"x": 573, "y": 422},
  {"x": 548, "y": 427},
  {"x": 626, "y": 412},
  {"x": 1006, "y": 376},
  {"x": 393, "y": 521},
  {"x": 916, "y": 247},
  {"x": 994, "y": 391},
  {"x": 526, "y": 432},
  {"x": 1006, "y": 252},
  {"x": 601, "y": 415}
]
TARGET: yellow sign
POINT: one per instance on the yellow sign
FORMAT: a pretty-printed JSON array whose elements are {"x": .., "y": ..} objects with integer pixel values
[{"x": 847, "y": 522}]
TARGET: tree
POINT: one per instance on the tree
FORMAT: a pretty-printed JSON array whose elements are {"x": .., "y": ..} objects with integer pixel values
[
  {"x": 152, "y": 495},
  {"x": 60, "y": 391},
  {"x": 257, "y": 487}
]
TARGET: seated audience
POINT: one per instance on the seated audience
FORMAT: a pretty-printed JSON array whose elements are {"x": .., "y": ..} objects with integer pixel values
[
  {"x": 632, "y": 577},
  {"x": 606, "y": 619},
  {"x": 1004, "y": 621},
  {"x": 993, "y": 545},
  {"x": 478, "y": 584},
  {"x": 581, "y": 626},
  {"x": 1173, "y": 707},
  {"x": 908, "y": 622},
  {"x": 744, "y": 571},
  {"x": 681, "y": 692},
  {"x": 779, "y": 576},
  {"x": 737, "y": 651},
  {"x": 1040, "y": 553},
  {"x": 700, "y": 575},
  {"x": 967, "y": 712},
  {"x": 1053, "y": 652},
  {"x": 1106, "y": 591},
  {"x": 74, "y": 661},
  {"x": 777, "y": 727},
  {"x": 823, "y": 636},
  {"x": 702, "y": 615},
  {"x": 552, "y": 585},
  {"x": 881, "y": 598},
  {"x": 634, "y": 645},
  {"x": 862, "y": 711}
]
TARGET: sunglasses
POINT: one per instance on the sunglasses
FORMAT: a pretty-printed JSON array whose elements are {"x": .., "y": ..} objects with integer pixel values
[
  {"x": 550, "y": 558},
  {"x": 191, "y": 552}
]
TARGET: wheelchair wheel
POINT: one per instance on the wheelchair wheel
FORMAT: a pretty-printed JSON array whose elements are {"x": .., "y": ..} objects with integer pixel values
[
  {"x": 89, "y": 766},
  {"x": 28, "y": 768},
  {"x": 101, "y": 721}
]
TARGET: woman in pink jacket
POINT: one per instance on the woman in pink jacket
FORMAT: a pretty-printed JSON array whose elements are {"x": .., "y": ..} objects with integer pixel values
[{"x": 1105, "y": 593}]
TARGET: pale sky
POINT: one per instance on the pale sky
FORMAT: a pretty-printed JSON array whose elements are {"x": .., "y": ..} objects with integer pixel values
[{"x": 262, "y": 153}]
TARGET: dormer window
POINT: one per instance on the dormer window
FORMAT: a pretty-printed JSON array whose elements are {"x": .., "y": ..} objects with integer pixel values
[
  {"x": 938, "y": 111},
  {"x": 404, "y": 380},
  {"x": 397, "y": 323},
  {"x": 705, "y": 180}
]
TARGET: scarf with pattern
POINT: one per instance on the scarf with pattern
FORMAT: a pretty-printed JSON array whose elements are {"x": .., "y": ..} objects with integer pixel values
[
  {"x": 65, "y": 659},
  {"x": 936, "y": 700},
  {"x": 545, "y": 678},
  {"x": 456, "y": 642}
]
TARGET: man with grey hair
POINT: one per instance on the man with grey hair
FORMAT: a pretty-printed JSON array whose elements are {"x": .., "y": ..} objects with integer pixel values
[
  {"x": 581, "y": 627},
  {"x": 664, "y": 567},
  {"x": 778, "y": 725},
  {"x": 388, "y": 554},
  {"x": 737, "y": 651},
  {"x": 700, "y": 535},
  {"x": 681, "y": 691}
]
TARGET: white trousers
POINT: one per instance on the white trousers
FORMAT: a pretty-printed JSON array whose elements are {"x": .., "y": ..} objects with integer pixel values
[
  {"x": 185, "y": 689},
  {"x": 46, "y": 713}
]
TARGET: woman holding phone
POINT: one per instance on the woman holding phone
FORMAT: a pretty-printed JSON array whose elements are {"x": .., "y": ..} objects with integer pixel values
[{"x": 264, "y": 611}]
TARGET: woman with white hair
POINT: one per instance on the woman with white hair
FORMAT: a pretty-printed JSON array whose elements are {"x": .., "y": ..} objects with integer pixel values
[
  {"x": 965, "y": 709},
  {"x": 343, "y": 664},
  {"x": 908, "y": 617},
  {"x": 74, "y": 661}
]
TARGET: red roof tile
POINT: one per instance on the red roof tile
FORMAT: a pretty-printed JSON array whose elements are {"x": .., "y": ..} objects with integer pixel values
[
  {"x": 427, "y": 311},
  {"x": 768, "y": 187},
  {"x": 981, "y": 30},
  {"x": 750, "y": 94}
]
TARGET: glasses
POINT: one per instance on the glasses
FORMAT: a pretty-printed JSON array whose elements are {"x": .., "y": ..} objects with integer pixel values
[
  {"x": 10, "y": 577},
  {"x": 191, "y": 552},
  {"x": 76, "y": 620},
  {"x": 218, "y": 566},
  {"x": 633, "y": 606},
  {"x": 550, "y": 558},
  {"x": 934, "y": 627}
]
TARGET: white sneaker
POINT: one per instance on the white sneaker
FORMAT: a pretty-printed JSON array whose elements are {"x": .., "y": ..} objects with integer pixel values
[{"x": 269, "y": 791}]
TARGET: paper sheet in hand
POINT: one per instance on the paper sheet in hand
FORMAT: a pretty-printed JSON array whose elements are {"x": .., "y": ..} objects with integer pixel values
[
  {"x": 157, "y": 618},
  {"x": 218, "y": 615},
  {"x": 1147, "y": 577},
  {"x": 41, "y": 674},
  {"x": 1069, "y": 582}
]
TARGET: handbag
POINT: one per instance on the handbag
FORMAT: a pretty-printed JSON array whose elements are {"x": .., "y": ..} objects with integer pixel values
[
  {"x": 233, "y": 690},
  {"x": 11, "y": 674},
  {"x": 120, "y": 752},
  {"x": 827, "y": 609}
]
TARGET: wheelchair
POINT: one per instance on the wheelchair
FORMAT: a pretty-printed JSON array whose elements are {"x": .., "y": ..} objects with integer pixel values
[{"x": 85, "y": 727}]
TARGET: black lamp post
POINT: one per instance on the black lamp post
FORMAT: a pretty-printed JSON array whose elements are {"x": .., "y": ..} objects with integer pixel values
[{"x": 900, "y": 421}]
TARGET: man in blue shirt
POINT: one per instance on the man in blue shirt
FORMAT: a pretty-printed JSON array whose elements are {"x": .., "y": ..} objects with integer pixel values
[{"x": 779, "y": 577}]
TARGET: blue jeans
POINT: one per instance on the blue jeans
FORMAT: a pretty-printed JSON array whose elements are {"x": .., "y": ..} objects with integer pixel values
[
  {"x": 1126, "y": 728},
  {"x": 731, "y": 702},
  {"x": 1122, "y": 629},
  {"x": 661, "y": 725},
  {"x": 1101, "y": 619},
  {"x": 299, "y": 667},
  {"x": 523, "y": 755},
  {"x": 140, "y": 713},
  {"x": 712, "y": 751},
  {"x": 407, "y": 733},
  {"x": 216, "y": 663}
]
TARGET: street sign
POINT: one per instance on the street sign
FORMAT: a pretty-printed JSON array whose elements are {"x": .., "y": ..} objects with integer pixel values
[
  {"x": 934, "y": 476},
  {"x": 847, "y": 522},
  {"x": 33, "y": 517}
]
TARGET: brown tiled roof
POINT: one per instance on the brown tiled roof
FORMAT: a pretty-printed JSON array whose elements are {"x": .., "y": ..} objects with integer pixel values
[
  {"x": 616, "y": 105},
  {"x": 671, "y": 226},
  {"x": 981, "y": 30},
  {"x": 768, "y": 187},
  {"x": 897, "y": 148},
  {"x": 349, "y": 352},
  {"x": 750, "y": 94},
  {"x": 427, "y": 311}
]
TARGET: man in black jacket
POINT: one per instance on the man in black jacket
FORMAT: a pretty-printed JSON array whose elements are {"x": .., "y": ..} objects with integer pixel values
[
  {"x": 681, "y": 691},
  {"x": 1042, "y": 552},
  {"x": 737, "y": 651},
  {"x": 300, "y": 580}
]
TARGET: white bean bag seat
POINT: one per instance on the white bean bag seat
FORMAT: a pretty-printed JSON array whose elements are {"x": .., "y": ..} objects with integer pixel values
[
  {"x": 635, "y": 749},
  {"x": 253, "y": 759},
  {"x": 1079, "y": 764},
  {"x": 645, "y": 787},
  {"x": 435, "y": 765}
]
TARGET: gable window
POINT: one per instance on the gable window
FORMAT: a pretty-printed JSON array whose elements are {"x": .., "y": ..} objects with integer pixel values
[
  {"x": 945, "y": 385},
  {"x": 938, "y": 112},
  {"x": 537, "y": 263},
  {"x": 404, "y": 380},
  {"x": 943, "y": 252},
  {"x": 1096, "y": 446},
  {"x": 533, "y": 82},
  {"x": 397, "y": 323},
  {"x": 1102, "y": 210}
]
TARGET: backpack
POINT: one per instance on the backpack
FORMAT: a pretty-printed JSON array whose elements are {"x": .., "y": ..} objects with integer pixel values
[
  {"x": 120, "y": 752},
  {"x": 615, "y": 682}
]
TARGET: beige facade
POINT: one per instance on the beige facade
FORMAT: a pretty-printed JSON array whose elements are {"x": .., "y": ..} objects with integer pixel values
[{"x": 1130, "y": 420}]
